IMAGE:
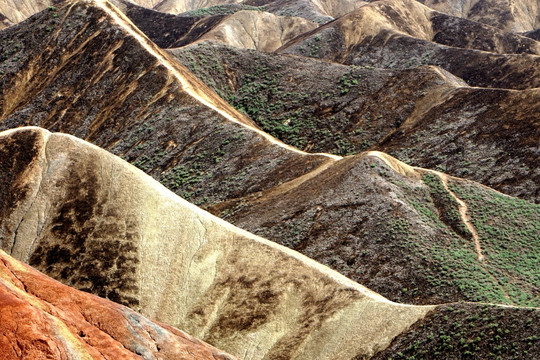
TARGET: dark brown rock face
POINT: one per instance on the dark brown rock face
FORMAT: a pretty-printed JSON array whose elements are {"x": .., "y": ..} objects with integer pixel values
[
  {"x": 404, "y": 34},
  {"x": 424, "y": 116}
]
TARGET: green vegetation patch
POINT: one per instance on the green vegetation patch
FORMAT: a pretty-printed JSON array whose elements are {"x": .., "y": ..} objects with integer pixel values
[
  {"x": 446, "y": 204},
  {"x": 304, "y": 115},
  {"x": 222, "y": 10},
  {"x": 509, "y": 232},
  {"x": 470, "y": 331},
  {"x": 451, "y": 265}
]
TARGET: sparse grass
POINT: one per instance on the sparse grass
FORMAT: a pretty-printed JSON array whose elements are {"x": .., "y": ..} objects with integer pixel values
[
  {"x": 222, "y": 10},
  {"x": 285, "y": 111},
  {"x": 446, "y": 204},
  {"x": 451, "y": 253},
  {"x": 469, "y": 331},
  {"x": 509, "y": 232}
]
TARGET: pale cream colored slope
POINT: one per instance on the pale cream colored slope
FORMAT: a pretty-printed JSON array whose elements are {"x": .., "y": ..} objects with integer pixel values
[
  {"x": 258, "y": 30},
  {"x": 4, "y": 22},
  {"x": 337, "y": 8},
  {"x": 18, "y": 10},
  {"x": 413, "y": 19},
  {"x": 146, "y": 3},
  {"x": 241, "y": 293}
]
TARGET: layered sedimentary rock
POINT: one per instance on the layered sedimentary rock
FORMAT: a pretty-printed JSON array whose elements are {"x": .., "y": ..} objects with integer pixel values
[
  {"x": 17, "y": 10},
  {"x": 43, "y": 319},
  {"x": 258, "y": 30},
  {"x": 405, "y": 34},
  {"x": 515, "y": 16},
  {"x": 95, "y": 222},
  {"x": 180, "y": 6},
  {"x": 138, "y": 103}
]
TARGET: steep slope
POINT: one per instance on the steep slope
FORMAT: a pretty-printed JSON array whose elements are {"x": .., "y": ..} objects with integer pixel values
[
  {"x": 415, "y": 236},
  {"x": 423, "y": 116},
  {"x": 400, "y": 34},
  {"x": 95, "y": 222},
  {"x": 16, "y": 11},
  {"x": 147, "y": 3},
  {"x": 320, "y": 11},
  {"x": 180, "y": 6},
  {"x": 534, "y": 34},
  {"x": 135, "y": 102},
  {"x": 239, "y": 25},
  {"x": 4, "y": 22},
  {"x": 169, "y": 31},
  {"x": 43, "y": 319},
  {"x": 512, "y": 16},
  {"x": 475, "y": 332},
  {"x": 132, "y": 89},
  {"x": 258, "y": 30}
]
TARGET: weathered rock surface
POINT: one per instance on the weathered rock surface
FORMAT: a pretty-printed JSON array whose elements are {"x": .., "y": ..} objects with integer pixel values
[
  {"x": 138, "y": 103},
  {"x": 509, "y": 15},
  {"x": 169, "y": 31},
  {"x": 320, "y": 11},
  {"x": 16, "y": 11},
  {"x": 313, "y": 10},
  {"x": 180, "y": 6},
  {"x": 412, "y": 234},
  {"x": 43, "y": 319},
  {"x": 258, "y": 30},
  {"x": 4, "y": 22},
  {"x": 99, "y": 224},
  {"x": 401, "y": 34},
  {"x": 240, "y": 25},
  {"x": 533, "y": 34},
  {"x": 423, "y": 116}
]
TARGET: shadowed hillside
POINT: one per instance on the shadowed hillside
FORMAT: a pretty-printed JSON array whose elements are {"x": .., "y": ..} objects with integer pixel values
[
  {"x": 423, "y": 116},
  {"x": 475, "y": 332},
  {"x": 239, "y": 25},
  {"x": 513, "y": 16},
  {"x": 95, "y": 222},
  {"x": 342, "y": 251},
  {"x": 400, "y": 34}
]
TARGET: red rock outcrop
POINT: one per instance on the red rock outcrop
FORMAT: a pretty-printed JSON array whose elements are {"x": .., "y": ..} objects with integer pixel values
[{"x": 43, "y": 319}]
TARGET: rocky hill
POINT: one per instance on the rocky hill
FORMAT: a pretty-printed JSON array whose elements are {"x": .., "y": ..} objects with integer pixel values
[
  {"x": 97, "y": 223},
  {"x": 423, "y": 116},
  {"x": 43, "y": 319},
  {"x": 400, "y": 34},
  {"x": 258, "y": 30},
  {"x": 512, "y": 16},
  {"x": 394, "y": 144},
  {"x": 15, "y": 11},
  {"x": 140, "y": 104}
]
